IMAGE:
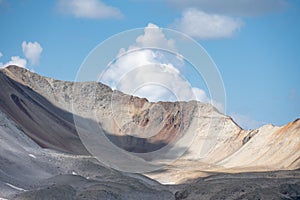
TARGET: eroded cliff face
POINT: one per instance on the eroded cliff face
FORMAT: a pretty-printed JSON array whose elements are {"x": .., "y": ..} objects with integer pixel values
[{"x": 44, "y": 108}]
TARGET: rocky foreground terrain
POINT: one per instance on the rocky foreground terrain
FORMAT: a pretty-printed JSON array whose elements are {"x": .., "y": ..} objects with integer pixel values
[{"x": 43, "y": 157}]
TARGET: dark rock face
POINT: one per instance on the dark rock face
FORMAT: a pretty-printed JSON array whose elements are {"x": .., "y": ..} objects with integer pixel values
[{"x": 249, "y": 136}]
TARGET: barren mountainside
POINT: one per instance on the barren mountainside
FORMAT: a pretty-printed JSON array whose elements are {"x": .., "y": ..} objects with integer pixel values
[{"x": 40, "y": 142}]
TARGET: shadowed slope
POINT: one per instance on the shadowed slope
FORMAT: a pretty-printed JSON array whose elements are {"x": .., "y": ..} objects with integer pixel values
[{"x": 47, "y": 125}]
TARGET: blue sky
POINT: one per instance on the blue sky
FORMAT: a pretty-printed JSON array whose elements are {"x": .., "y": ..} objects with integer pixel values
[{"x": 255, "y": 44}]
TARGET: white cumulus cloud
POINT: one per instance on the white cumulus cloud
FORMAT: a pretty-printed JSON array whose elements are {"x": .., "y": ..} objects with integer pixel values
[
  {"x": 151, "y": 73},
  {"x": 153, "y": 36},
  {"x": 32, "y": 51},
  {"x": 15, "y": 60},
  {"x": 201, "y": 25},
  {"x": 92, "y": 9}
]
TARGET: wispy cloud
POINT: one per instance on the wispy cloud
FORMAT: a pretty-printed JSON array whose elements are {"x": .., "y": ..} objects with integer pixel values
[
  {"x": 201, "y": 25},
  {"x": 32, "y": 51},
  {"x": 91, "y": 9},
  {"x": 232, "y": 7}
]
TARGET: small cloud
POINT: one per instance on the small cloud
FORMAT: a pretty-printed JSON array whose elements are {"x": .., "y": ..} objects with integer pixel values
[
  {"x": 233, "y": 7},
  {"x": 15, "y": 60},
  {"x": 32, "y": 51},
  {"x": 201, "y": 25},
  {"x": 246, "y": 122},
  {"x": 91, "y": 9},
  {"x": 153, "y": 36}
]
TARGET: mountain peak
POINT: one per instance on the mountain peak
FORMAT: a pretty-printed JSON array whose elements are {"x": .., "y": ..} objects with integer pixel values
[{"x": 15, "y": 69}]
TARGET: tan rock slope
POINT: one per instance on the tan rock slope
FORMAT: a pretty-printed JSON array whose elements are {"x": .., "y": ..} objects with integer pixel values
[{"x": 43, "y": 108}]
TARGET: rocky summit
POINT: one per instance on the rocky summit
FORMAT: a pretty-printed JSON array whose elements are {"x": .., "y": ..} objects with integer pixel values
[{"x": 49, "y": 145}]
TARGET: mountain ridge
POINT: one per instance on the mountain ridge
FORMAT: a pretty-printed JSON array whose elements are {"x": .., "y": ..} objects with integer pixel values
[
  {"x": 43, "y": 156},
  {"x": 218, "y": 140},
  {"x": 136, "y": 116}
]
